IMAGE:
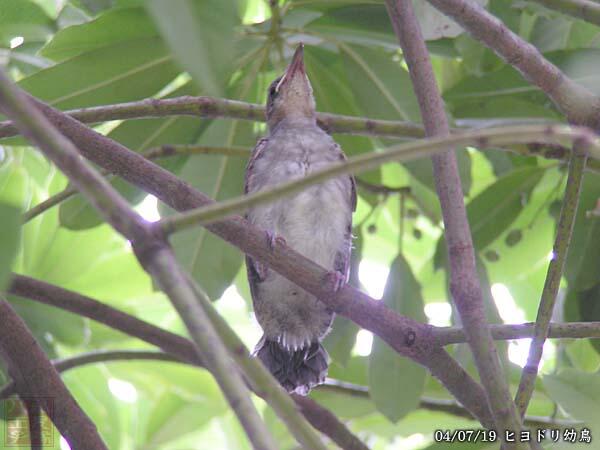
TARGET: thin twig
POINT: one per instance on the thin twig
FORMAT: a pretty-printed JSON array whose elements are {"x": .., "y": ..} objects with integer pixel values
[
  {"x": 464, "y": 281},
  {"x": 441, "y": 405},
  {"x": 211, "y": 107},
  {"x": 357, "y": 164},
  {"x": 162, "y": 151},
  {"x": 564, "y": 233}
]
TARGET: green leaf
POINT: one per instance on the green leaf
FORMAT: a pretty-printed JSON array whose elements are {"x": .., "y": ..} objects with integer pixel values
[
  {"x": 395, "y": 382},
  {"x": 583, "y": 355},
  {"x": 10, "y": 230},
  {"x": 139, "y": 135},
  {"x": 436, "y": 25},
  {"x": 211, "y": 261},
  {"x": 23, "y": 18},
  {"x": 110, "y": 28},
  {"x": 584, "y": 305},
  {"x": 15, "y": 186},
  {"x": 505, "y": 93},
  {"x": 90, "y": 389},
  {"x": 93, "y": 6},
  {"x": 583, "y": 258},
  {"x": 201, "y": 36},
  {"x": 492, "y": 211},
  {"x": 121, "y": 72},
  {"x": 383, "y": 89},
  {"x": 578, "y": 393},
  {"x": 181, "y": 398},
  {"x": 381, "y": 86},
  {"x": 367, "y": 25},
  {"x": 334, "y": 94}
]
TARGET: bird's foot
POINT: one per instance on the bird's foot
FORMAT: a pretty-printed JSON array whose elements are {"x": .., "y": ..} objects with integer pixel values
[
  {"x": 337, "y": 280},
  {"x": 274, "y": 239}
]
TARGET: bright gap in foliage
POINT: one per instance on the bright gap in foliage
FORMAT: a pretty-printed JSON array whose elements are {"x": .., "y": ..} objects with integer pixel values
[
  {"x": 64, "y": 445},
  {"x": 364, "y": 342},
  {"x": 518, "y": 350},
  {"x": 16, "y": 41},
  {"x": 148, "y": 208},
  {"x": 123, "y": 390},
  {"x": 373, "y": 277},
  {"x": 438, "y": 313}
]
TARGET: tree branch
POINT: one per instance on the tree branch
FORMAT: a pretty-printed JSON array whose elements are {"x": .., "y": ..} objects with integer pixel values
[
  {"x": 545, "y": 150},
  {"x": 582, "y": 9},
  {"x": 579, "y": 105},
  {"x": 464, "y": 282},
  {"x": 555, "y": 270},
  {"x": 151, "y": 250},
  {"x": 36, "y": 378},
  {"x": 318, "y": 416},
  {"x": 441, "y": 405},
  {"x": 404, "y": 335},
  {"x": 34, "y": 419},
  {"x": 327, "y": 423},
  {"x": 173, "y": 345},
  {"x": 357, "y": 164},
  {"x": 569, "y": 330},
  {"x": 210, "y": 107}
]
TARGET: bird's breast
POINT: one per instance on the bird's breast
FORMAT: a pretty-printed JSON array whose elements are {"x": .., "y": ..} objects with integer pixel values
[{"x": 314, "y": 222}]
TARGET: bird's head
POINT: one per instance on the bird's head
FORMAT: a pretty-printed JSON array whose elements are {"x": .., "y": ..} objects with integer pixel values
[{"x": 290, "y": 95}]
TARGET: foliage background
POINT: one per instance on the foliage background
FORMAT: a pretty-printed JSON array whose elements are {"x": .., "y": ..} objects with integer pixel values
[{"x": 91, "y": 52}]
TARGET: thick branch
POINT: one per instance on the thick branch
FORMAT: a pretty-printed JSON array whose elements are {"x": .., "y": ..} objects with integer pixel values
[
  {"x": 357, "y": 164},
  {"x": 404, "y": 335},
  {"x": 35, "y": 377},
  {"x": 464, "y": 282},
  {"x": 582, "y": 9},
  {"x": 216, "y": 107},
  {"x": 152, "y": 252},
  {"x": 579, "y": 105},
  {"x": 553, "y": 277}
]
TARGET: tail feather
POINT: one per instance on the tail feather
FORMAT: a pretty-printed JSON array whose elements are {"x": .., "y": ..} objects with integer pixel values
[{"x": 296, "y": 370}]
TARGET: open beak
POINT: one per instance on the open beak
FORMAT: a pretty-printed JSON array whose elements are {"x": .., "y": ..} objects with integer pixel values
[{"x": 295, "y": 67}]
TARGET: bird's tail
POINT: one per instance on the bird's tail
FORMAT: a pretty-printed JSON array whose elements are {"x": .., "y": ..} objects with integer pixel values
[{"x": 296, "y": 370}]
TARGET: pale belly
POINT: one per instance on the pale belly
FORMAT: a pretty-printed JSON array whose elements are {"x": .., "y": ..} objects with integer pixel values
[{"x": 314, "y": 223}]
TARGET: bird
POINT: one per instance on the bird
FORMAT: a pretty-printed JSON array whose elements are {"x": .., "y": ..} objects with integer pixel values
[{"x": 317, "y": 223}]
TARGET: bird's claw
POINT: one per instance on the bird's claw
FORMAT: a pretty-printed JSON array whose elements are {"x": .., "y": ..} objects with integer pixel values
[
  {"x": 337, "y": 279},
  {"x": 274, "y": 239}
]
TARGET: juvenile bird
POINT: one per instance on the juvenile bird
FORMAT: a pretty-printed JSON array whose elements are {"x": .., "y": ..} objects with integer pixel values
[{"x": 317, "y": 223}]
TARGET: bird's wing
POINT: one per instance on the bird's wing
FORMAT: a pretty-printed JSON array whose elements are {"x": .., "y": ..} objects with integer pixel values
[
  {"x": 342, "y": 256},
  {"x": 257, "y": 152},
  {"x": 342, "y": 156},
  {"x": 254, "y": 276}
]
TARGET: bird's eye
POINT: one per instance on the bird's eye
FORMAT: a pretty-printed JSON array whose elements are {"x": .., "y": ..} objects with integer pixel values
[{"x": 273, "y": 91}]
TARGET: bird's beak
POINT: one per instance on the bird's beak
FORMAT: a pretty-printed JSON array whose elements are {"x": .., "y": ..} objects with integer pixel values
[{"x": 295, "y": 67}]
